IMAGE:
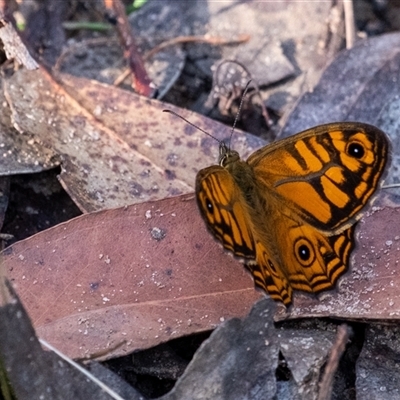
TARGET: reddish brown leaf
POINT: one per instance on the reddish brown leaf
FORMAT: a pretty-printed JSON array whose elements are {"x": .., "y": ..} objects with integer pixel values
[
  {"x": 34, "y": 373},
  {"x": 142, "y": 274}
]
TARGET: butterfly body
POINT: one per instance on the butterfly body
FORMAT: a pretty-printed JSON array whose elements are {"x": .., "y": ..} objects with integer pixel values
[{"x": 291, "y": 208}]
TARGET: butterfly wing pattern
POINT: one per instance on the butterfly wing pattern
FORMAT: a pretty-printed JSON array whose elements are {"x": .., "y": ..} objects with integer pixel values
[
  {"x": 291, "y": 209},
  {"x": 326, "y": 174}
]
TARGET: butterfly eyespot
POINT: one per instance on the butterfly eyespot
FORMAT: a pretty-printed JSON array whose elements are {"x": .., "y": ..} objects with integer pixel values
[
  {"x": 271, "y": 265},
  {"x": 356, "y": 150},
  {"x": 304, "y": 252},
  {"x": 209, "y": 206}
]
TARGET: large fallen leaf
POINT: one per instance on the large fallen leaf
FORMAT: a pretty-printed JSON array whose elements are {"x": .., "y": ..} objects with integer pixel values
[
  {"x": 142, "y": 275},
  {"x": 116, "y": 148}
]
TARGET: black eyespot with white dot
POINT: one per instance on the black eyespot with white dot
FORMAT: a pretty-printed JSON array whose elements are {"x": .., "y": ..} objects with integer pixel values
[
  {"x": 356, "y": 150},
  {"x": 272, "y": 266},
  {"x": 304, "y": 252},
  {"x": 209, "y": 205}
]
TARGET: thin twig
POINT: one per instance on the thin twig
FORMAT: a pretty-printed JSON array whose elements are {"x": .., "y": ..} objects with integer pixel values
[
  {"x": 183, "y": 39},
  {"x": 215, "y": 41},
  {"x": 349, "y": 23},
  {"x": 342, "y": 336},
  {"x": 141, "y": 81}
]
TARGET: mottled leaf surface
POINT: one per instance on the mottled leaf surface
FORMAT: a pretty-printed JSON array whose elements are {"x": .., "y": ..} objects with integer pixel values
[
  {"x": 135, "y": 276},
  {"x": 116, "y": 148}
]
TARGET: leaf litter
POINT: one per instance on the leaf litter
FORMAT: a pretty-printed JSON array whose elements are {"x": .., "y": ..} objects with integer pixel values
[{"x": 91, "y": 202}]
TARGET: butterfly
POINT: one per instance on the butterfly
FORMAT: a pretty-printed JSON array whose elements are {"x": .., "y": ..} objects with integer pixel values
[{"x": 290, "y": 210}]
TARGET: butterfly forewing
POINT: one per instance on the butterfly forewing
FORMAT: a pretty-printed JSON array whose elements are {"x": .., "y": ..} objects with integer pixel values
[
  {"x": 223, "y": 208},
  {"x": 326, "y": 174}
]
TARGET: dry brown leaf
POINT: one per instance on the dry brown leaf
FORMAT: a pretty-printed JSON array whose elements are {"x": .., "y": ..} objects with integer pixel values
[
  {"x": 117, "y": 148},
  {"x": 143, "y": 274},
  {"x": 21, "y": 153}
]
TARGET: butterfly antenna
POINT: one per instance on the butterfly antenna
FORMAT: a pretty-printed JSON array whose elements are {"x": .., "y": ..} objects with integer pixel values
[
  {"x": 239, "y": 110},
  {"x": 194, "y": 126}
]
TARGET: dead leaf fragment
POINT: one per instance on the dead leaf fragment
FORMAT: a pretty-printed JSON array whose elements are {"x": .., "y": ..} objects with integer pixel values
[
  {"x": 240, "y": 360},
  {"x": 377, "y": 368}
]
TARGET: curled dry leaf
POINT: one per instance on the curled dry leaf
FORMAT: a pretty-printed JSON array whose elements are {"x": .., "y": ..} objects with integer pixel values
[
  {"x": 116, "y": 148},
  {"x": 138, "y": 275}
]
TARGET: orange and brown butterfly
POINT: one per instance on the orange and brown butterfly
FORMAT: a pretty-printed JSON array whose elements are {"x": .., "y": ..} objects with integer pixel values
[{"x": 290, "y": 210}]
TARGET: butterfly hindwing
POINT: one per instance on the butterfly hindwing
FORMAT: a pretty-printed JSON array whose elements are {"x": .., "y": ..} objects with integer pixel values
[
  {"x": 269, "y": 276},
  {"x": 315, "y": 260},
  {"x": 300, "y": 257}
]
